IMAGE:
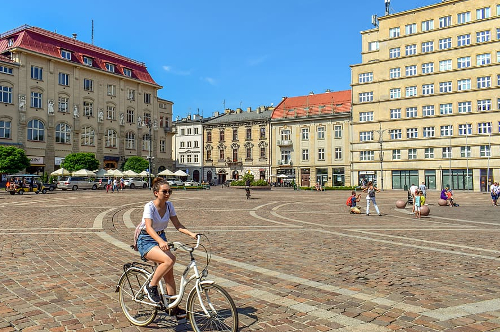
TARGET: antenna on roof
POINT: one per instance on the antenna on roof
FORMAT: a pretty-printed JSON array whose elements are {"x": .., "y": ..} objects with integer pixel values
[
  {"x": 387, "y": 5},
  {"x": 92, "y": 32},
  {"x": 374, "y": 20}
]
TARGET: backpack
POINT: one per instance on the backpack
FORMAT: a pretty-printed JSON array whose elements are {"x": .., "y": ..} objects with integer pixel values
[
  {"x": 349, "y": 201},
  {"x": 371, "y": 192}
]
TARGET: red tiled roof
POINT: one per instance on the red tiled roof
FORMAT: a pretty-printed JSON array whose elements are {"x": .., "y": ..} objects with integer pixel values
[
  {"x": 314, "y": 104},
  {"x": 4, "y": 58},
  {"x": 50, "y": 44}
]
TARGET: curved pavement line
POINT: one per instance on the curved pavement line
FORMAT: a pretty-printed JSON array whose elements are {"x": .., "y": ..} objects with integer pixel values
[{"x": 127, "y": 220}]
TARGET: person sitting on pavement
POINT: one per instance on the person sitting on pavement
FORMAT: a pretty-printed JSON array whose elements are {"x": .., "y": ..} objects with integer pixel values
[{"x": 353, "y": 200}]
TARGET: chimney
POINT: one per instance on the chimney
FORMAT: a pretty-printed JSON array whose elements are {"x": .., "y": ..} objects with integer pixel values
[
  {"x": 227, "y": 111},
  {"x": 311, "y": 93},
  {"x": 249, "y": 109},
  {"x": 74, "y": 36},
  {"x": 238, "y": 110},
  {"x": 327, "y": 91}
]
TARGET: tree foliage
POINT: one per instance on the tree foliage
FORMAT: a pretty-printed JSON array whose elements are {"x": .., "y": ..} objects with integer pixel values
[
  {"x": 136, "y": 164},
  {"x": 80, "y": 160},
  {"x": 12, "y": 159}
]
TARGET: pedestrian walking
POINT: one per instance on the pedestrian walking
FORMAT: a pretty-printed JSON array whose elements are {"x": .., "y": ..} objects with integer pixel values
[
  {"x": 115, "y": 185},
  {"x": 108, "y": 186},
  {"x": 494, "y": 193},
  {"x": 423, "y": 189},
  {"x": 370, "y": 189}
]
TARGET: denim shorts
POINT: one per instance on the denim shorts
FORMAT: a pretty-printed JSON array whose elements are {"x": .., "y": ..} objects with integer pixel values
[{"x": 145, "y": 243}]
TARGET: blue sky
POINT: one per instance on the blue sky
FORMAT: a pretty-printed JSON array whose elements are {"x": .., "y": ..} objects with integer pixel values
[{"x": 243, "y": 53}]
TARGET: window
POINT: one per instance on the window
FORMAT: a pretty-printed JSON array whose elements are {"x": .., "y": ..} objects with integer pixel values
[
  {"x": 366, "y": 136},
  {"x": 195, "y": 157},
  {"x": 88, "y": 108},
  {"x": 483, "y": 82},
  {"x": 411, "y": 112},
  {"x": 163, "y": 148},
  {"x": 366, "y": 155},
  {"x": 111, "y": 112},
  {"x": 127, "y": 72},
  {"x": 88, "y": 136},
  {"x": 87, "y": 61},
  {"x": 463, "y": 18},
  {"x": 463, "y": 62},
  {"x": 484, "y": 151},
  {"x": 63, "y": 133},
  {"x": 395, "y": 72},
  {"x": 365, "y": 116},
  {"x": 338, "y": 153},
  {"x": 37, "y": 73},
  {"x": 498, "y": 33},
  {"x": 394, "y": 32},
  {"x": 373, "y": 46},
  {"x": 428, "y": 110},
  {"x": 444, "y": 21},
  {"x": 65, "y": 54},
  {"x": 305, "y": 154},
  {"x": 464, "y": 107},
  {"x": 110, "y": 67},
  {"x": 188, "y": 144},
  {"x": 483, "y": 59},
  {"x": 412, "y": 133},
  {"x": 5, "y": 70},
  {"x": 337, "y": 131},
  {"x": 429, "y": 153},
  {"x": 412, "y": 153},
  {"x": 465, "y": 151},
  {"x": 130, "y": 116},
  {"x": 410, "y": 29},
  {"x": 248, "y": 153},
  {"x": 483, "y": 36},
  {"x": 64, "y": 79},
  {"x": 483, "y": 13},
  {"x": 427, "y": 25},
  {"x": 5, "y": 129},
  {"x": 196, "y": 144},
  {"x": 146, "y": 142},
  {"x": 147, "y": 98},
  {"x": 427, "y": 47},
  {"x": 147, "y": 120},
  {"x": 411, "y": 91},
  {"x": 130, "y": 140},
  {"x": 395, "y": 93},
  {"x": 36, "y": 100},
  {"x": 411, "y": 70},
  {"x": 183, "y": 157},
  {"x": 395, "y": 133},
  {"x": 36, "y": 130},
  {"x": 365, "y": 97},
  {"x": 365, "y": 77},
  {"x": 463, "y": 84},
  {"x": 5, "y": 94},
  {"x": 445, "y": 43},
  {"x": 428, "y": 132},
  {"x": 394, "y": 53},
  {"x": 131, "y": 94},
  {"x": 396, "y": 113},
  {"x": 445, "y": 65},
  {"x": 396, "y": 154},
  {"x": 249, "y": 134},
  {"x": 411, "y": 49},
  {"x": 305, "y": 134},
  {"x": 447, "y": 152},
  {"x": 447, "y": 130},
  {"x": 321, "y": 132},
  {"x": 182, "y": 144},
  {"x": 427, "y": 89},
  {"x": 428, "y": 68},
  {"x": 465, "y": 129},
  {"x": 88, "y": 84},
  {"x": 235, "y": 134},
  {"x": 484, "y": 128},
  {"x": 221, "y": 135},
  {"x": 263, "y": 154},
  {"x": 484, "y": 105},
  {"x": 63, "y": 104},
  {"x": 321, "y": 154},
  {"x": 111, "y": 90},
  {"x": 444, "y": 87},
  {"x": 446, "y": 108},
  {"x": 463, "y": 40}
]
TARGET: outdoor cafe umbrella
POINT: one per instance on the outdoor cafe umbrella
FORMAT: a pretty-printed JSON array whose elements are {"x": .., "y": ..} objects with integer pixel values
[
  {"x": 166, "y": 172},
  {"x": 101, "y": 173},
  {"x": 180, "y": 173},
  {"x": 144, "y": 173},
  {"x": 84, "y": 172},
  {"x": 117, "y": 173},
  {"x": 60, "y": 172},
  {"x": 130, "y": 173}
]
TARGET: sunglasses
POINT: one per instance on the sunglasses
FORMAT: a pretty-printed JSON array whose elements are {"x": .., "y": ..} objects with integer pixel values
[{"x": 167, "y": 192}]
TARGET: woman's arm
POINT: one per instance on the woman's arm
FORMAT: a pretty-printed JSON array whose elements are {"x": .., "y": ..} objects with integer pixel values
[{"x": 181, "y": 227}]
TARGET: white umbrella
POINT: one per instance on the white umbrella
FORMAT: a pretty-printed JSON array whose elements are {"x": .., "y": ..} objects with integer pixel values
[
  {"x": 144, "y": 173},
  {"x": 282, "y": 176},
  {"x": 84, "y": 172},
  {"x": 180, "y": 173},
  {"x": 101, "y": 173},
  {"x": 60, "y": 172},
  {"x": 109, "y": 173},
  {"x": 117, "y": 173},
  {"x": 166, "y": 172},
  {"x": 130, "y": 173}
]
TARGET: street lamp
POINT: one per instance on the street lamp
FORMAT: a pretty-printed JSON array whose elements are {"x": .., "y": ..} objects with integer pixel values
[
  {"x": 467, "y": 152},
  {"x": 380, "y": 132},
  {"x": 489, "y": 154},
  {"x": 150, "y": 158}
]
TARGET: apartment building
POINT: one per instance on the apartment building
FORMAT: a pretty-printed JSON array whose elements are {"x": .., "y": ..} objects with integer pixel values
[
  {"x": 426, "y": 98},
  {"x": 188, "y": 143},
  {"x": 60, "y": 95},
  {"x": 237, "y": 142},
  {"x": 310, "y": 139}
]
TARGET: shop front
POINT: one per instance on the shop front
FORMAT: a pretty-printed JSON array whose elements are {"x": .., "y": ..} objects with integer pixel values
[{"x": 37, "y": 165}]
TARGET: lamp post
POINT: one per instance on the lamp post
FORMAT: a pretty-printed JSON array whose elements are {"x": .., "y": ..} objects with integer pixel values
[
  {"x": 489, "y": 154},
  {"x": 467, "y": 152},
  {"x": 449, "y": 174},
  {"x": 150, "y": 158},
  {"x": 380, "y": 132}
]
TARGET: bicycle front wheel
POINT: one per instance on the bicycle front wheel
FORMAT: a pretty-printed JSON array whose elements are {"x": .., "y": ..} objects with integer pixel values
[
  {"x": 222, "y": 314},
  {"x": 133, "y": 298}
]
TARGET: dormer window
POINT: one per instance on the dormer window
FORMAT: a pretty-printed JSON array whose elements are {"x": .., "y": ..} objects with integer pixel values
[
  {"x": 127, "y": 72},
  {"x": 110, "y": 67},
  {"x": 10, "y": 42},
  {"x": 66, "y": 54},
  {"x": 88, "y": 61}
]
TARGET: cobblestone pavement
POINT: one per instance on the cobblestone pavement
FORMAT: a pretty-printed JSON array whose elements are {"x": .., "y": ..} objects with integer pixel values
[{"x": 292, "y": 260}]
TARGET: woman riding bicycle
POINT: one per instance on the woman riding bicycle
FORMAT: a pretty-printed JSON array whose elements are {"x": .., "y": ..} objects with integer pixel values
[{"x": 152, "y": 242}]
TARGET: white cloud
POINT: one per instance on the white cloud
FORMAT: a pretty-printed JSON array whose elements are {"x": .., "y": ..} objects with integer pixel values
[
  {"x": 209, "y": 80},
  {"x": 175, "y": 71}
]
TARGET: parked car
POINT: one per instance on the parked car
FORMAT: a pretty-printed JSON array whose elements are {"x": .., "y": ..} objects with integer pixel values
[
  {"x": 191, "y": 184},
  {"x": 77, "y": 182},
  {"x": 176, "y": 183},
  {"x": 135, "y": 183},
  {"x": 50, "y": 186}
]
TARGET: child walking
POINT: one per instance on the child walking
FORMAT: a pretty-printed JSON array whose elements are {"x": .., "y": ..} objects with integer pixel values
[{"x": 417, "y": 203}]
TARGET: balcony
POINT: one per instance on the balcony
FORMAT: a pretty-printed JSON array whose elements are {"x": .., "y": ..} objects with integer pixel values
[
  {"x": 234, "y": 162},
  {"x": 284, "y": 142},
  {"x": 285, "y": 163},
  {"x": 169, "y": 130}
]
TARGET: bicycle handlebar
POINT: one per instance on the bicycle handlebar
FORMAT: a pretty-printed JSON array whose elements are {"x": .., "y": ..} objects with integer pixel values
[{"x": 179, "y": 245}]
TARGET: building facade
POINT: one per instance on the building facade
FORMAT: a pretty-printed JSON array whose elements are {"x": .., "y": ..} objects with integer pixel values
[
  {"x": 310, "y": 140},
  {"x": 62, "y": 96},
  {"x": 426, "y": 98},
  {"x": 188, "y": 144}
]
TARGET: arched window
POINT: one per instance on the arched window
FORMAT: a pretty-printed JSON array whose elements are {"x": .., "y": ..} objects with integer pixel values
[
  {"x": 63, "y": 133},
  {"x": 130, "y": 140},
  {"x": 110, "y": 138},
  {"x": 146, "y": 143},
  {"x": 88, "y": 136},
  {"x": 36, "y": 130},
  {"x": 5, "y": 129}
]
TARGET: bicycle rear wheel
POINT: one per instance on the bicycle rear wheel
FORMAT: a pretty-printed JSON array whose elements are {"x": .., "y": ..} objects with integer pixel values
[
  {"x": 137, "y": 313},
  {"x": 222, "y": 314}
]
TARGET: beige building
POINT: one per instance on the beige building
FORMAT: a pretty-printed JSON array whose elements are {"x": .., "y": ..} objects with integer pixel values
[
  {"x": 60, "y": 96},
  {"x": 310, "y": 140},
  {"x": 426, "y": 99}
]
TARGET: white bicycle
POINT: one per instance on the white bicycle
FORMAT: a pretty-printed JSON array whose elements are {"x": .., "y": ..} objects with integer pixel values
[{"x": 209, "y": 306}]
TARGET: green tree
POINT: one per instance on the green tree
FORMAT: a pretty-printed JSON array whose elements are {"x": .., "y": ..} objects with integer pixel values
[
  {"x": 248, "y": 176},
  {"x": 12, "y": 159},
  {"x": 80, "y": 160},
  {"x": 136, "y": 164}
]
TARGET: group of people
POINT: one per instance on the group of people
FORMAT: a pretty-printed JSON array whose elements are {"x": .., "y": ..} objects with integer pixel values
[
  {"x": 370, "y": 189},
  {"x": 114, "y": 184},
  {"x": 495, "y": 193},
  {"x": 447, "y": 195}
]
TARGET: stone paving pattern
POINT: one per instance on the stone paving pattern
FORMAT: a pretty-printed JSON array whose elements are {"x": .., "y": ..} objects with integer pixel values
[{"x": 291, "y": 260}]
